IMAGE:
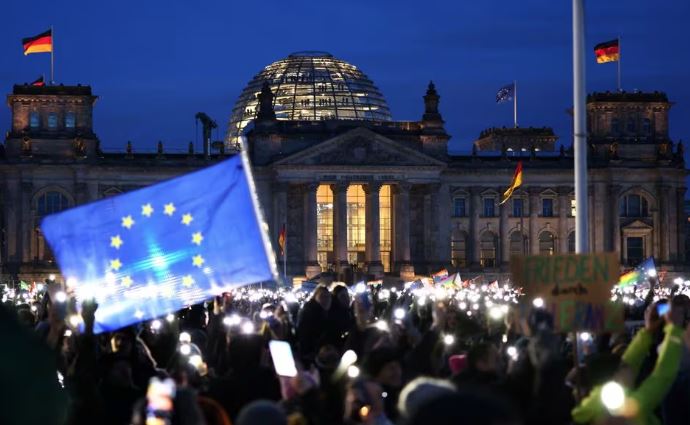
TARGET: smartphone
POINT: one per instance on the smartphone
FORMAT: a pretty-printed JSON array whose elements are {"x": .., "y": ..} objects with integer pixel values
[
  {"x": 662, "y": 309},
  {"x": 159, "y": 401},
  {"x": 283, "y": 360}
]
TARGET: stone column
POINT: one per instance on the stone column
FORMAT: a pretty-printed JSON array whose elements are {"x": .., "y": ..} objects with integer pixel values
[
  {"x": 563, "y": 207},
  {"x": 475, "y": 209},
  {"x": 673, "y": 231},
  {"x": 681, "y": 223},
  {"x": 533, "y": 215},
  {"x": 441, "y": 206},
  {"x": 373, "y": 227},
  {"x": 12, "y": 225},
  {"x": 614, "y": 199},
  {"x": 402, "y": 230},
  {"x": 28, "y": 228},
  {"x": 663, "y": 225},
  {"x": 504, "y": 227},
  {"x": 340, "y": 226},
  {"x": 599, "y": 223},
  {"x": 312, "y": 267}
]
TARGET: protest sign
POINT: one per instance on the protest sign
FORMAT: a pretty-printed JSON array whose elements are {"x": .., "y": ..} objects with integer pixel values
[{"x": 576, "y": 288}]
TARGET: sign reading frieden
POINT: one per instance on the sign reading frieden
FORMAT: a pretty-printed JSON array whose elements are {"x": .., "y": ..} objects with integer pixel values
[{"x": 576, "y": 288}]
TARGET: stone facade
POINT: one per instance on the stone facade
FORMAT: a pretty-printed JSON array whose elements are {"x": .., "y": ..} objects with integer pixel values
[{"x": 444, "y": 209}]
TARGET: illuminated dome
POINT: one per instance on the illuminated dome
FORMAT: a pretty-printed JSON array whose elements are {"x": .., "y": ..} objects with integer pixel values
[{"x": 311, "y": 86}]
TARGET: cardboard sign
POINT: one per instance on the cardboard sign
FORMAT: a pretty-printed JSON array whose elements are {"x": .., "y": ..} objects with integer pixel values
[{"x": 576, "y": 288}]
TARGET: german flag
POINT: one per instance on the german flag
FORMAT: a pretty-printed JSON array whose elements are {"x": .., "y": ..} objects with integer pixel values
[
  {"x": 281, "y": 239},
  {"x": 517, "y": 182},
  {"x": 41, "y": 43},
  {"x": 607, "y": 52},
  {"x": 38, "y": 82}
]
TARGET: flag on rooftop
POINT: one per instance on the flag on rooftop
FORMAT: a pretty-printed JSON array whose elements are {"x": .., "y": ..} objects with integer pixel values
[
  {"x": 505, "y": 93},
  {"x": 155, "y": 250},
  {"x": 41, "y": 43},
  {"x": 607, "y": 52},
  {"x": 38, "y": 82}
]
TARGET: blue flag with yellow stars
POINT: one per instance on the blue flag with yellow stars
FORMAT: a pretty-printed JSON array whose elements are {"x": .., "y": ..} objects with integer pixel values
[{"x": 155, "y": 250}]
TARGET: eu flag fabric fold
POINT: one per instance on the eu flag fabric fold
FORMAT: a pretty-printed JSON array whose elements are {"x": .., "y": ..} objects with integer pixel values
[
  {"x": 155, "y": 250},
  {"x": 505, "y": 93}
]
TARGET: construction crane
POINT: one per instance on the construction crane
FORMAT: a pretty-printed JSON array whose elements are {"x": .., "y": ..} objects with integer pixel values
[{"x": 207, "y": 125}]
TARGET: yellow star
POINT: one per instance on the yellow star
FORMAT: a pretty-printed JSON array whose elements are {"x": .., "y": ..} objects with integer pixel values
[
  {"x": 186, "y": 219},
  {"x": 198, "y": 260},
  {"x": 115, "y": 264},
  {"x": 197, "y": 238},
  {"x": 146, "y": 210},
  {"x": 127, "y": 281},
  {"x": 187, "y": 281},
  {"x": 116, "y": 241},
  {"x": 169, "y": 209},
  {"x": 127, "y": 222}
]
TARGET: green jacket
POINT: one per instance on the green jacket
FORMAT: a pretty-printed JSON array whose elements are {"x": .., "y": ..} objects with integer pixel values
[{"x": 653, "y": 389}]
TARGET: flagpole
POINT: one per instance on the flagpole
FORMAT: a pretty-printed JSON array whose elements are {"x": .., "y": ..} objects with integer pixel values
[
  {"x": 52, "y": 56},
  {"x": 515, "y": 103},
  {"x": 619, "y": 63},
  {"x": 580, "y": 128},
  {"x": 285, "y": 255}
]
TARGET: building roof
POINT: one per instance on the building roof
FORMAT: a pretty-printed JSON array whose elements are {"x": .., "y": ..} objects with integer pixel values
[
  {"x": 310, "y": 86},
  {"x": 77, "y": 90},
  {"x": 623, "y": 96}
]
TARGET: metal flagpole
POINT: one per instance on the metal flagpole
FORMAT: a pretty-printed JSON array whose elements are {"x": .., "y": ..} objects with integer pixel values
[
  {"x": 285, "y": 255},
  {"x": 580, "y": 128},
  {"x": 515, "y": 103},
  {"x": 619, "y": 63},
  {"x": 52, "y": 56}
]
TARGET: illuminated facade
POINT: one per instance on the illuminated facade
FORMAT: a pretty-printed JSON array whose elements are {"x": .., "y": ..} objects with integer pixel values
[{"x": 361, "y": 195}]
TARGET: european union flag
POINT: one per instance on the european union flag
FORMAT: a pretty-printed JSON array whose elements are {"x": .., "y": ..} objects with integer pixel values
[
  {"x": 505, "y": 93},
  {"x": 155, "y": 250}
]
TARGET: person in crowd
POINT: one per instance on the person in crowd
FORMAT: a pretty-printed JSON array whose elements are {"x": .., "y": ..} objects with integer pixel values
[{"x": 314, "y": 323}]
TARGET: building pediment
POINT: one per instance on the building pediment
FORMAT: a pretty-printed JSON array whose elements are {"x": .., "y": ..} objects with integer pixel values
[
  {"x": 637, "y": 225},
  {"x": 360, "y": 147}
]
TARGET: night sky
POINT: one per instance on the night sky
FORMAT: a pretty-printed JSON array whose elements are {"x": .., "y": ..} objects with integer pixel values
[{"x": 154, "y": 64}]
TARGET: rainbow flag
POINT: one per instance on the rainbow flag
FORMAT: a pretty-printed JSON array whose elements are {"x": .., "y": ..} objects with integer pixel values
[
  {"x": 440, "y": 275},
  {"x": 630, "y": 278},
  {"x": 452, "y": 281}
]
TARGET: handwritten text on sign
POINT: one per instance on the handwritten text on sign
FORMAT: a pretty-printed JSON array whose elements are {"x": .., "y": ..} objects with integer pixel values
[{"x": 576, "y": 288}]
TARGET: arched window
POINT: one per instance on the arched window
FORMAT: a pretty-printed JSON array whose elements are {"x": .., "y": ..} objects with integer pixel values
[
  {"x": 518, "y": 243},
  {"x": 633, "y": 206},
  {"x": 631, "y": 126},
  {"x": 571, "y": 242},
  {"x": 547, "y": 245},
  {"x": 458, "y": 247},
  {"x": 487, "y": 249},
  {"x": 647, "y": 126},
  {"x": 615, "y": 126}
]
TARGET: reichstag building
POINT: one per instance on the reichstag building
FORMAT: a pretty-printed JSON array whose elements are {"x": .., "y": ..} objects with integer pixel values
[{"x": 360, "y": 194}]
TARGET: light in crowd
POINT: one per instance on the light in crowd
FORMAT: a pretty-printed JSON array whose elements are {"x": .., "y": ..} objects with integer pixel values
[
  {"x": 360, "y": 288},
  {"x": 290, "y": 298},
  {"x": 496, "y": 313},
  {"x": 196, "y": 360},
  {"x": 538, "y": 302},
  {"x": 74, "y": 320},
  {"x": 185, "y": 337},
  {"x": 463, "y": 306},
  {"x": 352, "y": 371},
  {"x": 51, "y": 277},
  {"x": 381, "y": 325},
  {"x": 504, "y": 339},
  {"x": 612, "y": 396},
  {"x": 68, "y": 333},
  {"x": 421, "y": 301},
  {"x": 34, "y": 308},
  {"x": 399, "y": 313},
  {"x": 156, "y": 325},
  {"x": 185, "y": 349},
  {"x": 448, "y": 339},
  {"x": 247, "y": 327},
  {"x": 232, "y": 320},
  {"x": 170, "y": 318},
  {"x": 349, "y": 358},
  {"x": 264, "y": 314},
  {"x": 512, "y": 353},
  {"x": 39, "y": 287},
  {"x": 384, "y": 295},
  {"x": 651, "y": 272},
  {"x": 585, "y": 336},
  {"x": 60, "y": 297},
  {"x": 71, "y": 282},
  {"x": 678, "y": 281}
]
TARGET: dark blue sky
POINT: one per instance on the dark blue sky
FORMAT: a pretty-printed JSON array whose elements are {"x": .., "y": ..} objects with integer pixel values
[{"x": 156, "y": 63}]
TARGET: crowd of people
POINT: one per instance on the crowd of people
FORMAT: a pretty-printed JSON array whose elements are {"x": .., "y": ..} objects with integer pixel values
[{"x": 365, "y": 354}]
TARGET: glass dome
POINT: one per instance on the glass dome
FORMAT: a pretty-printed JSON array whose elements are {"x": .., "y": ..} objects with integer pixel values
[{"x": 311, "y": 86}]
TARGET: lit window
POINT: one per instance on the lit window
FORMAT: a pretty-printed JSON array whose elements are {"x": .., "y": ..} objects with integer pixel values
[
  {"x": 489, "y": 207},
  {"x": 34, "y": 119},
  {"x": 385, "y": 226},
  {"x": 52, "y": 120},
  {"x": 547, "y": 244},
  {"x": 356, "y": 224},
  {"x": 547, "y": 207},
  {"x": 573, "y": 207},
  {"x": 324, "y": 224},
  {"x": 459, "y": 207},
  {"x": 69, "y": 120},
  {"x": 458, "y": 247}
]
